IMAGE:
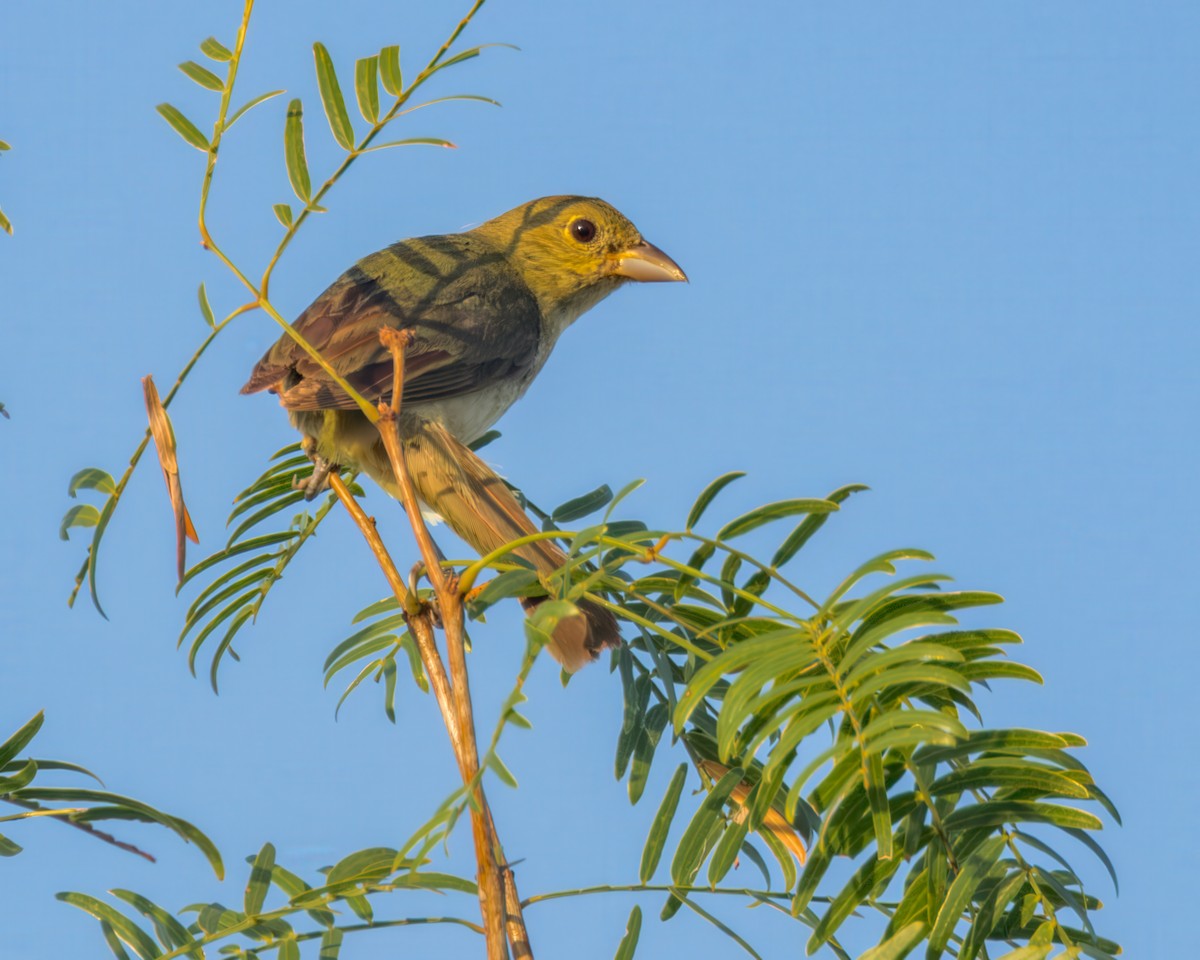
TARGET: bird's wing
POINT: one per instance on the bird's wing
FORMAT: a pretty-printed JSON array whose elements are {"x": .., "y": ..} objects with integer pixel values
[{"x": 472, "y": 321}]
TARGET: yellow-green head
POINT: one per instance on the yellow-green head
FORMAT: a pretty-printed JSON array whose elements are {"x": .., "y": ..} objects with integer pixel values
[{"x": 573, "y": 251}]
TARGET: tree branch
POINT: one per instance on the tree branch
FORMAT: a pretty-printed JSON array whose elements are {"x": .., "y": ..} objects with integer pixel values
[{"x": 500, "y": 903}]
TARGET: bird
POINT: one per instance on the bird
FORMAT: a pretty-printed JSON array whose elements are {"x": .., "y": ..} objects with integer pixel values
[{"x": 482, "y": 310}]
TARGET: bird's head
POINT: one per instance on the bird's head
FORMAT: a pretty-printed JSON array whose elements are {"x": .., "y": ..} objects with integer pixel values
[{"x": 573, "y": 251}]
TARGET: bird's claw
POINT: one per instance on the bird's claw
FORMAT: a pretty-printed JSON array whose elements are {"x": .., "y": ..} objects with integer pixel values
[{"x": 318, "y": 481}]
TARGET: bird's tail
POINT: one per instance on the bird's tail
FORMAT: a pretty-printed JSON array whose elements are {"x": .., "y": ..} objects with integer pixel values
[{"x": 480, "y": 508}]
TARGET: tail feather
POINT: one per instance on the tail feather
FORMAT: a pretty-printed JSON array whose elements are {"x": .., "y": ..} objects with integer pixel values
[{"x": 480, "y": 508}]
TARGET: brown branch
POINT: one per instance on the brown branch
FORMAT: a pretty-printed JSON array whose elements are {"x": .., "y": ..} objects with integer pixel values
[
  {"x": 500, "y": 903},
  {"x": 374, "y": 540},
  {"x": 491, "y": 895},
  {"x": 514, "y": 915},
  {"x": 422, "y": 632},
  {"x": 84, "y": 826}
]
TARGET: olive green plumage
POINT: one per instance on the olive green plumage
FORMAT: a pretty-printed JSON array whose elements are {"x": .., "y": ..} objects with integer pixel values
[{"x": 483, "y": 309}]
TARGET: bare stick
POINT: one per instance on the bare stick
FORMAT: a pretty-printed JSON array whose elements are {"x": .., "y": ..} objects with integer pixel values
[
  {"x": 426, "y": 645},
  {"x": 61, "y": 817},
  {"x": 491, "y": 894}
]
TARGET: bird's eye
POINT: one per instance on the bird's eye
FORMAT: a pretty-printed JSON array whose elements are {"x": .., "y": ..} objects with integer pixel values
[{"x": 583, "y": 230}]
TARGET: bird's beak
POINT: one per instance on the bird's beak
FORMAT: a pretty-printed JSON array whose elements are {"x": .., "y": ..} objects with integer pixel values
[{"x": 646, "y": 263}]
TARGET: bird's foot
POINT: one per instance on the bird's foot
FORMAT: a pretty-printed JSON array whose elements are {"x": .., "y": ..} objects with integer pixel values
[{"x": 318, "y": 482}]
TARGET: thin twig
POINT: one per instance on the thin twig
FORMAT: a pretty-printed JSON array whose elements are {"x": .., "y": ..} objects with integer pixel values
[
  {"x": 423, "y": 635},
  {"x": 491, "y": 894},
  {"x": 374, "y": 540}
]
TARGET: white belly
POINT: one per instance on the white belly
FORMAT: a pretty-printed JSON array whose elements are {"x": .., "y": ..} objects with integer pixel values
[{"x": 470, "y": 416}]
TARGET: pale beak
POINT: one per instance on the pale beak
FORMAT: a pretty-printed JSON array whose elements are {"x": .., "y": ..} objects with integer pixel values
[{"x": 646, "y": 263}]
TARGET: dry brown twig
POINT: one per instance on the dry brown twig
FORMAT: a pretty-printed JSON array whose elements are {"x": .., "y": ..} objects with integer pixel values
[{"x": 499, "y": 902}]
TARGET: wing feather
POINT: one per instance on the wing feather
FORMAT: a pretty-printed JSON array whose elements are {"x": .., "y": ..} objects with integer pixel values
[{"x": 473, "y": 323}]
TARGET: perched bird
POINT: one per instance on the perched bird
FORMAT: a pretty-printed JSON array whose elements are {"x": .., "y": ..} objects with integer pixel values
[{"x": 483, "y": 310}]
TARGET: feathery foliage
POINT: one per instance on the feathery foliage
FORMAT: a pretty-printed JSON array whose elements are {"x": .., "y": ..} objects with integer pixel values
[{"x": 80, "y": 807}]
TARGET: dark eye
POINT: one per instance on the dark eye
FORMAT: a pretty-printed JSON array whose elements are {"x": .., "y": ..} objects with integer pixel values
[{"x": 583, "y": 230}]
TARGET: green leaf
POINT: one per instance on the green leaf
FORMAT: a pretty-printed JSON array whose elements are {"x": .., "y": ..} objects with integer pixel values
[
  {"x": 366, "y": 88},
  {"x": 810, "y": 525},
  {"x": 469, "y": 54},
  {"x": 331, "y": 944},
  {"x": 898, "y": 945},
  {"x": 1008, "y": 773},
  {"x": 250, "y": 105},
  {"x": 693, "y": 845},
  {"x": 84, "y": 515},
  {"x": 215, "y": 50},
  {"x": 771, "y": 512},
  {"x": 283, "y": 213},
  {"x": 282, "y": 503},
  {"x": 496, "y": 765},
  {"x": 1092, "y": 845},
  {"x": 783, "y": 856},
  {"x": 643, "y": 749},
  {"x": 637, "y": 695},
  {"x": 389, "y": 70},
  {"x": 881, "y": 813},
  {"x": 91, "y": 478},
  {"x": 994, "y": 813},
  {"x": 991, "y": 912},
  {"x": 512, "y": 583},
  {"x": 246, "y": 546},
  {"x": 884, "y": 563},
  {"x": 633, "y": 929},
  {"x": 364, "y": 866},
  {"x": 961, "y": 892},
  {"x": 202, "y": 75},
  {"x": 6, "y": 226},
  {"x": 727, "y": 849},
  {"x": 332, "y": 99},
  {"x": 293, "y": 151},
  {"x": 1033, "y": 952},
  {"x": 113, "y": 941},
  {"x": 20, "y": 778},
  {"x": 8, "y": 848},
  {"x": 581, "y": 506},
  {"x": 993, "y": 741},
  {"x": 215, "y": 918},
  {"x": 206, "y": 310},
  {"x": 411, "y": 141},
  {"x": 170, "y": 932},
  {"x": 814, "y": 871},
  {"x": 129, "y": 932},
  {"x": 981, "y": 671},
  {"x": 656, "y": 840},
  {"x": 756, "y": 858},
  {"x": 870, "y": 875},
  {"x": 432, "y": 880},
  {"x": 183, "y": 126},
  {"x": 1069, "y": 897},
  {"x": 260, "y": 879},
  {"x": 708, "y": 494},
  {"x": 17, "y": 742}
]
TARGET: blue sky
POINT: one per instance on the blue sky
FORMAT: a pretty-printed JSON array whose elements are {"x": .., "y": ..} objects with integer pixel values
[{"x": 947, "y": 250}]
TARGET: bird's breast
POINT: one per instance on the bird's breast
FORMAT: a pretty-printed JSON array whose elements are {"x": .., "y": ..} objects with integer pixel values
[{"x": 470, "y": 416}]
